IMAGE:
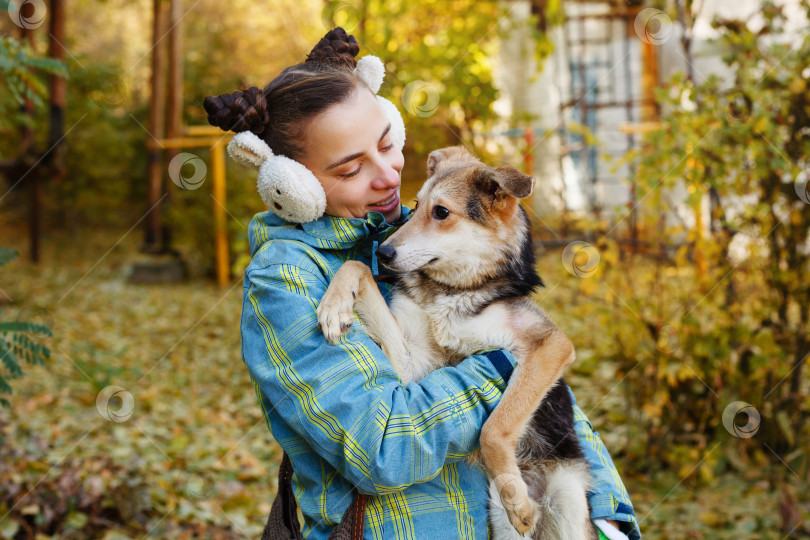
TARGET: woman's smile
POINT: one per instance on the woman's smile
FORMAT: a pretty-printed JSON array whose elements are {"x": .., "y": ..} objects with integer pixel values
[{"x": 387, "y": 205}]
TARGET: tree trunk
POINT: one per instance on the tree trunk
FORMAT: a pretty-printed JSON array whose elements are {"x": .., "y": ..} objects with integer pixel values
[{"x": 157, "y": 104}]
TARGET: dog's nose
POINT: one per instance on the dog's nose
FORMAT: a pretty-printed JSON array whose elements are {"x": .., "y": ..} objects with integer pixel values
[{"x": 386, "y": 254}]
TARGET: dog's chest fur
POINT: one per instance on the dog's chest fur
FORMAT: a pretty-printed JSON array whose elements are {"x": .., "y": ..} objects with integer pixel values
[{"x": 454, "y": 323}]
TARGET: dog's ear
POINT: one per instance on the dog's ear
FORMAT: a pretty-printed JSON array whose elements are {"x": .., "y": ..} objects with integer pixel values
[
  {"x": 514, "y": 182},
  {"x": 437, "y": 156},
  {"x": 504, "y": 182},
  {"x": 433, "y": 160}
]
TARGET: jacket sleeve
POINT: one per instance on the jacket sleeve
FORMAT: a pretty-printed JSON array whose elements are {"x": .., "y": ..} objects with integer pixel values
[
  {"x": 346, "y": 400},
  {"x": 608, "y": 497}
]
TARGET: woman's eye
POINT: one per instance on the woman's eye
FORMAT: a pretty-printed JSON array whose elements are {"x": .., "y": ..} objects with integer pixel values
[
  {"x": 387, "y": 148},
  {"x": 353, "y": 173},
  {"x": 440, "y": 212}
]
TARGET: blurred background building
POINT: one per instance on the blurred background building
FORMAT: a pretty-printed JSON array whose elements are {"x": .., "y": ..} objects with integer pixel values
[{"x": 593, "y": 97}]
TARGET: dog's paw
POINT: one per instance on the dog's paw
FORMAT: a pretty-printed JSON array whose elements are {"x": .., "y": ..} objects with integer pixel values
[
  {"x": 522, "y": 511},
  {"x": 336, "y": 314},
  {"x": 524, "y": 516}
]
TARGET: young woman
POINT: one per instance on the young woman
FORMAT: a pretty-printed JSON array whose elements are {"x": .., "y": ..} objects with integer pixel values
[{"x": 340, "y": 412}]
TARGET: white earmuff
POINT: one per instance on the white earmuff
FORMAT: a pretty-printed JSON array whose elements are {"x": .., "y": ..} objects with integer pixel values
[
  {"x": 371, "y": 71},
  {"x": 397, "y": 124},
  {"x": 290, "y": 190},
  {"x": 287, "y": 187},
  {"x": 248, "y": 149}
]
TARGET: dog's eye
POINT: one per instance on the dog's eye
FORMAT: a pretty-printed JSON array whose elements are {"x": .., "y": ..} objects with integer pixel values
[{"x": 440, "y": 212}]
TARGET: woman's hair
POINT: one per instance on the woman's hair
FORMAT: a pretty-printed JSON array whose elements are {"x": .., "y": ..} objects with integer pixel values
[{"x": 278, "y": 113}]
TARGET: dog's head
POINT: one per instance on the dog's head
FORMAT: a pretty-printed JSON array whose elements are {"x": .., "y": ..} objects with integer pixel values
[{"x": 467, "y": 220}]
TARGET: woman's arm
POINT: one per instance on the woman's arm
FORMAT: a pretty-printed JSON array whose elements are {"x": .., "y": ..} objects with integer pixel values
[
  {"x": 346, "y": 400},
  {"x": 608, "y": 497}
]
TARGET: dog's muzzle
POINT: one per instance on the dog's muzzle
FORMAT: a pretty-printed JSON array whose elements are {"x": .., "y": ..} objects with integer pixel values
[{"x": 386, "y": 254}]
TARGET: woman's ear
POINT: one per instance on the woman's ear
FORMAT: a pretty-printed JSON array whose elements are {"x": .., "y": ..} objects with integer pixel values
[{"x": 247, "y": 148}]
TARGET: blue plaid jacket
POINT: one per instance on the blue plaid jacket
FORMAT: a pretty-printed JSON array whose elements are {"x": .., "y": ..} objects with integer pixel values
[{"x": 345, "y": 419}]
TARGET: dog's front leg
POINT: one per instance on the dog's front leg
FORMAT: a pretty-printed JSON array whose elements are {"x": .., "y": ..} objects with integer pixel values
[
  {"x": 353, "y": 287},
  {"x": 544, "y": 354}
]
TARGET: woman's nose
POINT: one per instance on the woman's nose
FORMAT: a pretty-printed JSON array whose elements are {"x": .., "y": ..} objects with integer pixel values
[{"x": 386, "y": 178}]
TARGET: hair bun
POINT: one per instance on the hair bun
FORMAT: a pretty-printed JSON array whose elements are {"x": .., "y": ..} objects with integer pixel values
[
  {"x": 238, "y": 111},
  {"x": 336, "y": 47}
]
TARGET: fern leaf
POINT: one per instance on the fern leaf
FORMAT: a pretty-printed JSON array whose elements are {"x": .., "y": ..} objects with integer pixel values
[
  {"x": 24, "y": 327},
  {"x": 9, "y": 359},
  {"x": 4, "y": 387}
]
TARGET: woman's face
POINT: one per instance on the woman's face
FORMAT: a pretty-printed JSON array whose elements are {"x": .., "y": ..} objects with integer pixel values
[{"x": 348, "y": 147}]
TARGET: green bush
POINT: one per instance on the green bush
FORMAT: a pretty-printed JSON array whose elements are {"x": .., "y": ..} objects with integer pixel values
[{"x": 721, "y": 314}]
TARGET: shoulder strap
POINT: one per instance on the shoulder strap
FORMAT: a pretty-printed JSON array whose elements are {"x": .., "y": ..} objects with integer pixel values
[{"x": 282, "y": 524}]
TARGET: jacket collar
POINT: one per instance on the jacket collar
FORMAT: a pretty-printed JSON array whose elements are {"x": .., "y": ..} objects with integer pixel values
[
  {"x": 326, "y": 232},
  {"x": 340, "y": 233},
  {"x": 368, "y": 233}
]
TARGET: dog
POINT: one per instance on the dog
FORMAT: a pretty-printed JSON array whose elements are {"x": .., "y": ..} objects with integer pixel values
[{"x": 465, "y": 274}]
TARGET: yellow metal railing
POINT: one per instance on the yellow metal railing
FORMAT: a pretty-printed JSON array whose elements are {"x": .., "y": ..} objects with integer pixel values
[{"x": 216, "y": 140}]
